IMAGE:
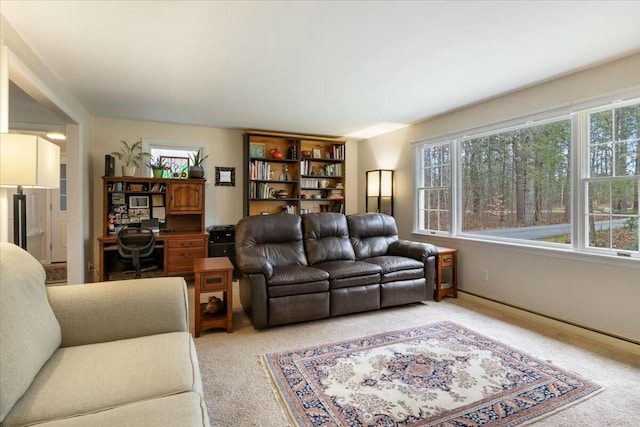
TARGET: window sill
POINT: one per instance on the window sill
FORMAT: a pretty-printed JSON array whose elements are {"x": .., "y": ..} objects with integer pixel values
[{"x": 554, "y": 252}]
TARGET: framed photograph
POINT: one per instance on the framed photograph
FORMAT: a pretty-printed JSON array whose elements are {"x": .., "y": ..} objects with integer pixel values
[
  {"x": 316, "y": 153},
  {"x": 226, "y": 176},
  {"x": 138, "y": 202},
  {"x": 256, "y": 150}
]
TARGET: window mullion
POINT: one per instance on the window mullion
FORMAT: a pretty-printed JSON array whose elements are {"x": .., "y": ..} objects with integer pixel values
[
  {"x": 579, "y": 178},
  {"x": 455, "y": 216}
]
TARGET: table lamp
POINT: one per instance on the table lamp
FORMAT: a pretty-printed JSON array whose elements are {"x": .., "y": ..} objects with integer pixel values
[{"x": 27, "y": 161}]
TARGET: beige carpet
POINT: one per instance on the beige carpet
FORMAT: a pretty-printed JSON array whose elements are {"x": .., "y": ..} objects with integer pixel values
[{"x": 239, "y": 394}]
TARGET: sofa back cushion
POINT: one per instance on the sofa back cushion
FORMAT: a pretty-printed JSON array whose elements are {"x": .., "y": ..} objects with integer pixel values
[
  {"x": 29, "y": 331},
  {"x": 371, "y": 234},
  {"x": 326, "y": 237},
  {"x": 278, "y": 238}
]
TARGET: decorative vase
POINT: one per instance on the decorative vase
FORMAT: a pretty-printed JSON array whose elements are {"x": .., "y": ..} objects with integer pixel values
[
  {"x": 128, "y": 171},
  {"x": 276, "y": 153},
  {"x": 196, "y": 172},
  {"x": 157, "y": 172}
]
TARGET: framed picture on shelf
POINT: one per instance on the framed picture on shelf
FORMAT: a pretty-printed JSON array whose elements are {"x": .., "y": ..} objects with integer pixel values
[
  {"x": 256, "y": 149},
  {"x": 316, "y": 153}
]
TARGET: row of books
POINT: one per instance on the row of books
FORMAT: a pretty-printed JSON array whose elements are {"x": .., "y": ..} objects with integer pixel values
[
  {"x": 307, "y": 168},
  {"x": 259, "y": 170},
  {"x": 337, "y": 152},
  {"x": 119, "y": 186},
  {"x": 259, "y": 190}
]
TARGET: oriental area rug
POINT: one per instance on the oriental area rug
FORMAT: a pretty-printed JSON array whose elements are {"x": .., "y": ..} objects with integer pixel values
[
  {"x": 437, "y": 375},
  {"x": 56, "y": 273}
]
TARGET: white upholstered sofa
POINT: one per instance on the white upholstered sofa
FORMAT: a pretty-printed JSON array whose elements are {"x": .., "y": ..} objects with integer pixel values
[{"x": 102, "y": 354}]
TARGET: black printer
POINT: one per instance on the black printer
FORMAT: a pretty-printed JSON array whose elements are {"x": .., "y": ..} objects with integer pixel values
[{"x": 222, "y": 243}]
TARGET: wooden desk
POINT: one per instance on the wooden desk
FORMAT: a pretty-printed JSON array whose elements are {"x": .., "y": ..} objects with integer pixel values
[
  {"x": 213, "y": 275},
  {"x": 175, "y": 253}
]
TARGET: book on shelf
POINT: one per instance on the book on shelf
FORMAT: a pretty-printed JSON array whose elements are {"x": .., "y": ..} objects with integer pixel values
[{"x": 259, "y": 170}]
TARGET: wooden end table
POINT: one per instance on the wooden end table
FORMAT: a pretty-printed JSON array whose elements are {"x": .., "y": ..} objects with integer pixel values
[
  {"x": 447, "y": 258},
  {"x": 213, "y": 275}
]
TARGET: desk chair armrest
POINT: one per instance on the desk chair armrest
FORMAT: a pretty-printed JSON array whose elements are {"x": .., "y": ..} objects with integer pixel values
[{"x": 109, "y": 311}]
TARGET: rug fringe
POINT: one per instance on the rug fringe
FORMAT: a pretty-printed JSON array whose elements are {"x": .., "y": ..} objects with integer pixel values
[{"x": 277, "y": 394}]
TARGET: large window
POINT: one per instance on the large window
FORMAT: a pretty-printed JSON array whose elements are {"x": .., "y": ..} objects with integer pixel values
[
  {"x": 515, "y": 184},
  {"x": 613, "y": 179},
  {"x": 434, "y": 188}
]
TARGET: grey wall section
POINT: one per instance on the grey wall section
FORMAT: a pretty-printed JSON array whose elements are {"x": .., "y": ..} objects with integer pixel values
[{"x": 591, "y": 291}]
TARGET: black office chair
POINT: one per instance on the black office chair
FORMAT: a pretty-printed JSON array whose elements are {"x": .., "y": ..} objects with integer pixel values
[{"x": 136, "y": 245}]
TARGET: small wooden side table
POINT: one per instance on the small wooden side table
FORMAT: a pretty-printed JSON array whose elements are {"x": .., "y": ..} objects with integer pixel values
[
  {"x": 447, "y": 258},
  {"x": 213, "y": 275}
]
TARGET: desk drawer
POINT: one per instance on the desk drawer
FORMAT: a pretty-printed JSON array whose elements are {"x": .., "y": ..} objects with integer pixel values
[
  {"x": 214, "y": 281},
  {"x": 186, "y": 243},
  {"x": 446, "y": 260},
  {"x": 180, "y": 260}
]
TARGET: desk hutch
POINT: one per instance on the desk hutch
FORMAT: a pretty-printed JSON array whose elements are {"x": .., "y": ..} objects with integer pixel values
[{"x": 177, "y": 204}]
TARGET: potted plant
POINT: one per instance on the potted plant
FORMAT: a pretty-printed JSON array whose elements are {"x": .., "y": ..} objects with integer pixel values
[
  {"x": 195, "y": 169},
  {"x": 131, "y": 156},
  {"x": 157, "y": 165}
]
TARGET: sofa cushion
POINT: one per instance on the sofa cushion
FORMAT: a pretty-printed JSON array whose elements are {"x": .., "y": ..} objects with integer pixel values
[
  {"x": 95, "y": 377},
  {"x": 371, "y": 234},
  {"x": 397, "y": 268},
  {"x": 297, "y": 280},
  {"x": 276, "y": 238},
  {"x": 184, "y": 409},
  {"x": 29, "y": 331},
  {"x": 343, "y": 274},
  {"x": 326, "y": 237}
]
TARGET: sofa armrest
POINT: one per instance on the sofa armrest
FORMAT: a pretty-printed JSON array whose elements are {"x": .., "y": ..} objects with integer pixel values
[
  {"x": 415, "y": 250},
  {"x": 109, "y": 311},
  {"x": 249, "y": 263}
]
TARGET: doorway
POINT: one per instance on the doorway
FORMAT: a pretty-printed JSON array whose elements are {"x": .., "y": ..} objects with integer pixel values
[{"x": 46, "y": 209}]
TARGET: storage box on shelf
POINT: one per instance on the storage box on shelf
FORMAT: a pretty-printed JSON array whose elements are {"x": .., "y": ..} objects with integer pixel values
[{"x": 293, "y": 173}]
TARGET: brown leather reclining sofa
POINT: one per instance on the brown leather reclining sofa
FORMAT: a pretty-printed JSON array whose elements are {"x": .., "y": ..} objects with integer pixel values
[{"x": 302, "y": 267}]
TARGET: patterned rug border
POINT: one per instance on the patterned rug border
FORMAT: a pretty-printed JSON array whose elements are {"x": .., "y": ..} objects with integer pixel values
[
  {"x": 591, "y": 388},
  {"x": 56, "y": 273}
]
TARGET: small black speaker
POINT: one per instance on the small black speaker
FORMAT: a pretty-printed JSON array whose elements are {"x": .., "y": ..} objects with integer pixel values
[{"x": 109, "y": 165}]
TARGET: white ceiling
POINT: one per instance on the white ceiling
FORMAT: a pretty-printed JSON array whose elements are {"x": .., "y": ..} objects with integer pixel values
[{"x": 323, "y": 67}]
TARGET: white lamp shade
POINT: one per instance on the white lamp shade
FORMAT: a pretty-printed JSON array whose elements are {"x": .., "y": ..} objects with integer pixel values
[
  {"x": 29, "y": 161},
  {"x": 373, "y": 183},
  {"x": 386, "y": 183}
]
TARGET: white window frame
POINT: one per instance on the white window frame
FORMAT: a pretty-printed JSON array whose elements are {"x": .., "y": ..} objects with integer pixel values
[
  {"x": 187, "y": 148},
  {"x": 585, "y": 178},
  {"x": 419, "y": 158},
  {"x": 579, "y": 158}
]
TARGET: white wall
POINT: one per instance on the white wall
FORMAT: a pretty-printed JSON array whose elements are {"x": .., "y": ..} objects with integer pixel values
[
  {"x": 587, "y": 290},
  {"x": 32, "y": 75}
]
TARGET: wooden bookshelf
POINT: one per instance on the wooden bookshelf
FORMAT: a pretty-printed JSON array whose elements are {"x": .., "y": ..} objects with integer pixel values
[{"x": 307, "y": 176}]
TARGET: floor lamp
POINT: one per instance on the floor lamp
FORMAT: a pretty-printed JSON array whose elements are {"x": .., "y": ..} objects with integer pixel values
[
  {"x": 380, "y": 191},
  {"x": 27, "y": 161}
]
